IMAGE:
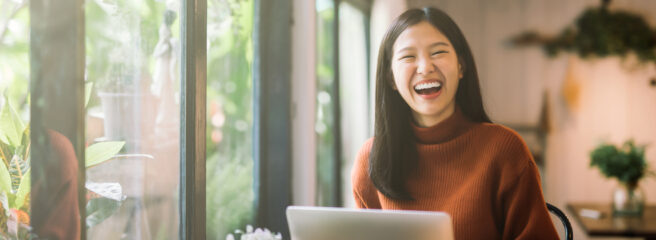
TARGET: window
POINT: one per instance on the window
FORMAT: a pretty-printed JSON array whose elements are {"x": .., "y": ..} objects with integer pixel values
[
  {"x": 229, "y": 177},
  {"x": 133, "y": 68},
  {"x": 121, "y": 126},
  {"x": 342, "y": 96}
]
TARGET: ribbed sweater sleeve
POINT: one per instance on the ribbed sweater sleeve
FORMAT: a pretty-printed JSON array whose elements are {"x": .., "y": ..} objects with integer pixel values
[
  {"x": 520, "y": 196},
  {"x": 364, "y": 192},
  {"x": 526, "y": 213}
]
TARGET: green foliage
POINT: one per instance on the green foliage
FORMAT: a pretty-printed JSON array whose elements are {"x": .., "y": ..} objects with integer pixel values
[
  {"x": 626, "y": 163},
  {"x": 15, "y": 168},
  {"x": 14, "y": 154},
  {"x": 100, "y": 152},
  {"x": 325, "y": 115},
  {"x": 602, "y": 33},
  {"x": 11, "y": 125},
  {"x": 229, "y": 93},
  {"x": 14, "y": 54},
  {"x": 5, "y": 180}
]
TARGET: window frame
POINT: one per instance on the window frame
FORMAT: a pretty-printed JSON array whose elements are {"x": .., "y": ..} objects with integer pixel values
[
  {"x": 57, "y": 95},
  {"x": 365, "y": 7},
  {"x": 272, "y": 113},
  {"x": 193, "y": 29}
]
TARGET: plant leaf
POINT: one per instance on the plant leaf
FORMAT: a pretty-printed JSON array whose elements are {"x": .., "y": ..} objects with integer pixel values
[
  {"x": 4, "y": 202},
  {"x": 100, "y": 152},
  {"x": 5, "y": 152},
  {"x": 5, "y": 180},
  {"x": 99, "y": 209},
  {"x": 10, "y": 125},
  {"x": 23, "y": 190},
  {"x": 17, "y": 169}
]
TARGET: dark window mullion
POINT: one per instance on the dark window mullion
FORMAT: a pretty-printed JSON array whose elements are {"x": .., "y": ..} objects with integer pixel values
[
  {"x": 57, "y": 113},
  {"x": 192, "y": 154},
  {"x": 272, "y": 113}
]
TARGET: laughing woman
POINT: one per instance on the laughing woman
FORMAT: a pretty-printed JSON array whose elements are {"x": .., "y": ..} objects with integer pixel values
[{"x": 435, "y": 149}]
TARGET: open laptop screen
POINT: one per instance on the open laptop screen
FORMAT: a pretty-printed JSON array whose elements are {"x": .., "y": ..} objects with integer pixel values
[{"x": 325, "y": 223}]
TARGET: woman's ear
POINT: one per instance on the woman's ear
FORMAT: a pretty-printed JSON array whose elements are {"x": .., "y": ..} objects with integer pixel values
[{"x": 460, "y": 71}]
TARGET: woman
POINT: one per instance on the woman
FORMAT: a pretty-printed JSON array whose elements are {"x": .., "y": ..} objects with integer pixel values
[{"x": 435, "y": 149}]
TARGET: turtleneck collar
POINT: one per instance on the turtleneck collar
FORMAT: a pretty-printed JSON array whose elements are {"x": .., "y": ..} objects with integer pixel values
[{"x": 453, "y": 126}]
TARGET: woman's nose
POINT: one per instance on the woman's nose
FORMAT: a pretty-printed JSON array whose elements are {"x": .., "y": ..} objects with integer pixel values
[{"x": 425, "y": 66}]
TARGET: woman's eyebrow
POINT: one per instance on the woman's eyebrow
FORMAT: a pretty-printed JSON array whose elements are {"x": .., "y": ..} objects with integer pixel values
[
  {"x": 439, "y": 44},
  {"x": 405, "y": 49},
  {"x": 430, "y": 46}
]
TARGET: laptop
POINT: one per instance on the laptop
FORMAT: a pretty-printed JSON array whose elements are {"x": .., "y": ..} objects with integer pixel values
[{"x": 327, "y": 223}]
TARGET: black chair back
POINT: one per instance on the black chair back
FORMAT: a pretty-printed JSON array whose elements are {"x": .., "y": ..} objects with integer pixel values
[{"x": 563, "y": 219}]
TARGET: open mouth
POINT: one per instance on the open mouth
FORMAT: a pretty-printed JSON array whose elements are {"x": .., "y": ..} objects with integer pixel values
[{"x": 428, "y": 87}]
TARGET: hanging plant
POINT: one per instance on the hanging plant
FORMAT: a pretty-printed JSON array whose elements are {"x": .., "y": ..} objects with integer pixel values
[{"x": 599, "y": 32}]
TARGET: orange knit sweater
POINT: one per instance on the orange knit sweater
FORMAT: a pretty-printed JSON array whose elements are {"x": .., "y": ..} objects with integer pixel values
[{"x": 482, "y": 174}]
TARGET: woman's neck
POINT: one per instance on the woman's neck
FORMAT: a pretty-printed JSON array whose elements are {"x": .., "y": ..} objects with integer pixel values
[{"x": 432, "y": 120}]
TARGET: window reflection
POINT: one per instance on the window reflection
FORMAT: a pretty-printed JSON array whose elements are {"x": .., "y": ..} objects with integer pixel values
[{"x": 132, "y": 60}]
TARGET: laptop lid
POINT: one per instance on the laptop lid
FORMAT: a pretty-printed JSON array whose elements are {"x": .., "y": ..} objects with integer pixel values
[{"x": 326, "y": 223}]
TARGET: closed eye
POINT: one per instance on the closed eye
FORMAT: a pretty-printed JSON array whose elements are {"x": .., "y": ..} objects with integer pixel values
[
  {"x": 406, "y": 57},
  {"x": 439, "y": 52}
]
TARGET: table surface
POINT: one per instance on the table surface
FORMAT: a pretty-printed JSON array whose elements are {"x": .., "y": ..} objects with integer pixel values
[{"x": 608, "y": 225}]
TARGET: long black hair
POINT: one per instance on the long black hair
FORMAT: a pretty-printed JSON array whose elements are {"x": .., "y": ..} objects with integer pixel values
[{"x": 393, "y": 154}]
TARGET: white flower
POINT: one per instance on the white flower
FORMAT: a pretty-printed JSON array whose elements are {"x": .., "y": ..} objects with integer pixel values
[
  {"x": 230, "y": 237},
  {"x": 257, "y": 234}
]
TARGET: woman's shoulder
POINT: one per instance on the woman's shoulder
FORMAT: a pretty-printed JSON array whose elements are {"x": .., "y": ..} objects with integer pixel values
[
  {"x": 500, "y": 134},
  {"x": 508, "y": 147},
  {"x": 360, "y": 170},
  {"x": 362, "y": 159}
]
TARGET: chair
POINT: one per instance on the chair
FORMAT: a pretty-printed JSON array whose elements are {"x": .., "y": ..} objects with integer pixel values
[{"x": 563, "y": 219}]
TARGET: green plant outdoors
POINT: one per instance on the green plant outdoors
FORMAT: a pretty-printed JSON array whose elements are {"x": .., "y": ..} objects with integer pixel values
[
  {"x": 626, "y": 163},
  {"x": 229, "y": 173},
  {"x": 15, "y": 170}
]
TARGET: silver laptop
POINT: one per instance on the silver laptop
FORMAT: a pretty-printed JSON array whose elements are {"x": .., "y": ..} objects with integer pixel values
[{"x": 324, "y": 223}]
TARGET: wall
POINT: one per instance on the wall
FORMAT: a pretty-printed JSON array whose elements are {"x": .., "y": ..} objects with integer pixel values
[
  {"x": 614, "y": 103},
  {"x": 303, "y": 104}
]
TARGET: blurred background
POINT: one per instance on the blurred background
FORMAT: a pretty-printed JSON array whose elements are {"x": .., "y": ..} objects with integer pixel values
[{"x": 565, "y": 96}]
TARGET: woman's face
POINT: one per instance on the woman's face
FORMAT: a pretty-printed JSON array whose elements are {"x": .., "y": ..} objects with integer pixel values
[{"x": 426, "y": 73}]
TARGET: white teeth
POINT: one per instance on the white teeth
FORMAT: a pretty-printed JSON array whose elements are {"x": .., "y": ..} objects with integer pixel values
[{"x": 427, "y": 85}]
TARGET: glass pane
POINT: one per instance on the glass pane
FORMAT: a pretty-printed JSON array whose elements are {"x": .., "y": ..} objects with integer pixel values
[
  {"x": 353, "y": 92},
  {"x": 133, "y": 118},
  {"x": 14, "y": 117},
  {"x": 229, "y": 177},
  {"x": 325, "y": 115}
]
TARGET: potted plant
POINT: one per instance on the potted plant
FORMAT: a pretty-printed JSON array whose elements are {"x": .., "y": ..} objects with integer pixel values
[{"x": 628, "y": 165}]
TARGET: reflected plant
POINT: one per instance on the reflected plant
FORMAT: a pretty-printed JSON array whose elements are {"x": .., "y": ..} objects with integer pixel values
[{"x": 15, "y": 172}]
